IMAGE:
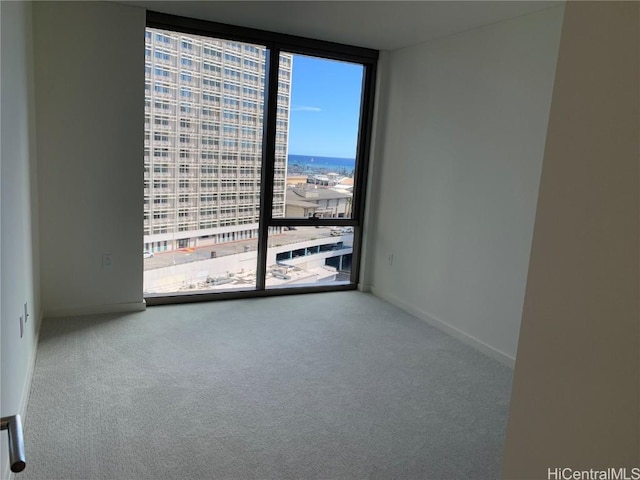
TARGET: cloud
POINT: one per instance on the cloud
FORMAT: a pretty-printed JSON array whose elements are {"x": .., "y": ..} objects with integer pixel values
[{"x": 306, "y": 109}]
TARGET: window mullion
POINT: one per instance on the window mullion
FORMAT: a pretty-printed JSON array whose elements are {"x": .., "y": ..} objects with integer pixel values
[{"x": 268, "y": 162}]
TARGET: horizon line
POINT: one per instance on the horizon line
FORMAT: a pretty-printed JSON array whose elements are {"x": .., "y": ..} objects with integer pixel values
[{"x": 319, "y": 156}]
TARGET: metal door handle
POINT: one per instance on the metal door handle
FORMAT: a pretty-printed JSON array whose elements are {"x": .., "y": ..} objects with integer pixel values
[{"x": 13, "y": 426}]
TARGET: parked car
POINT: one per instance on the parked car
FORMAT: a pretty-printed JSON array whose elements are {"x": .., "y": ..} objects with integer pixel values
[
  {"x": 335, "y": 231},
  {"x": 147, "y": 254},
  {"x": 347, "y": 230}
]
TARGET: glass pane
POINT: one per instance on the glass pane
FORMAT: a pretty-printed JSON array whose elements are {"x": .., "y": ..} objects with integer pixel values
[
  {"x": 309, "y": 256},
  {"x": 227, "y": 265},
  {"x": 204, "y": 102},
  {"x": 319, "y": 105}
]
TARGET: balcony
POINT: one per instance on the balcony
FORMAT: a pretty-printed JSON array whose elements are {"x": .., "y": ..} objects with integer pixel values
[{"x": 162, "y": 175}]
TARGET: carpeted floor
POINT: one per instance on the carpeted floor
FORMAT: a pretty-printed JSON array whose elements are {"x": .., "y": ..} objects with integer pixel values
[{"x": 324, "y": 386}]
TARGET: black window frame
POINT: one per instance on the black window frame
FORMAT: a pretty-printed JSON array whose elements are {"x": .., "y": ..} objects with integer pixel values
[{"x": 275, "y": 44}]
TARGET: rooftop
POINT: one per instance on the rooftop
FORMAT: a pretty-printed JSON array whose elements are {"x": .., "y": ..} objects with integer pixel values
[{"x": 297, "y": 193}]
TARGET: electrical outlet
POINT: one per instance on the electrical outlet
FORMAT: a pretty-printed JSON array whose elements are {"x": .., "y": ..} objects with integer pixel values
[
  {"x": 26, "y": 312},
  {"x": 391, "y": 259},
  {"x": 107, "y": 261}
]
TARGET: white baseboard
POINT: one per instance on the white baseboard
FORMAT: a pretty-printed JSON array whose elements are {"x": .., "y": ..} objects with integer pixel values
[
  {"x": 24, "y": 399},
  {"x": 96, "y": 309},
  {"x": 31, "y": 368},
  {"x": 488, "y": 350}
]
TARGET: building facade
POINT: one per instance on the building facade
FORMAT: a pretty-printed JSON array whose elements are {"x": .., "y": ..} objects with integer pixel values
[
  {"x": 204, "y": 104},
  {"x": 305, "y": 201}
]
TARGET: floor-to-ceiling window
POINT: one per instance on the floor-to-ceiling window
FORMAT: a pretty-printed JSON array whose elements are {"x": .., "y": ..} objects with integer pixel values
[{"x": 256, "y": 149}]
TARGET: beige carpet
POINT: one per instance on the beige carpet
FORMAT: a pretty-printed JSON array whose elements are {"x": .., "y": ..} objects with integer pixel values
[{"x": 324, "y": 386}]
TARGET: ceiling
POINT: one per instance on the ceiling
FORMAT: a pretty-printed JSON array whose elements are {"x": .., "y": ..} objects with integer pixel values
[{"x": 381, "y": 25}]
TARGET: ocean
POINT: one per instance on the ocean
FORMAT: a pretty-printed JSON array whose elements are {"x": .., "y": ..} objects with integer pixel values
[{"x": 315, "y": 164}]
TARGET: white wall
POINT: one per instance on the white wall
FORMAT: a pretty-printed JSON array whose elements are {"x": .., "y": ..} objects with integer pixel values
[
  {"x": 457, "y": 167},
  {"x": 90, "y": 113},
  {"x": 19, "y": 231},
  {"x": 576, "y": 394}
]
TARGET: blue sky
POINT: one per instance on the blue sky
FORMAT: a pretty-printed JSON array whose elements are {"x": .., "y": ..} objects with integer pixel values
[{"x": 325, "y": 107}]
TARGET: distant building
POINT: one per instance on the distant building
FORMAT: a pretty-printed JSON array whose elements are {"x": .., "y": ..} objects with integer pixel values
[
  {"x": 203, "y": 139},
  {"x": 344, "y": 185},
  {"x": 326, "y": 202},
  {"x": 296, "y": 179},
  {"x": 318, "y": 180},
  {"x": 333, "y": 178}
]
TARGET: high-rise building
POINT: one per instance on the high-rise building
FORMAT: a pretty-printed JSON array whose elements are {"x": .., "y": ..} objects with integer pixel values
[{"x": 203, "y": 139}]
